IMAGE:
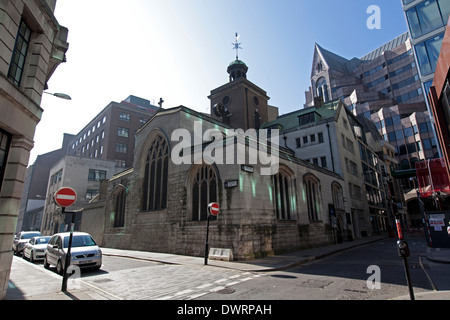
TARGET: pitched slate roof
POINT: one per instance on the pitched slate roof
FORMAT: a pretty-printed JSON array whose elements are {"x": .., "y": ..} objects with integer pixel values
[
  {"x": 291, "y": 120},
  {"x": 337, "y": 62}
]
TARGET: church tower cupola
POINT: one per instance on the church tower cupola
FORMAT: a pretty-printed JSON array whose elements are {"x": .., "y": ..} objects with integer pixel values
[
  {"x": 240, "y": 103},
  {"x": 237, "y": 69}
]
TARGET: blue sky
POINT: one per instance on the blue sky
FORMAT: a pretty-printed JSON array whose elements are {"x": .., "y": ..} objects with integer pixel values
[{"x": 180, "y": 49}]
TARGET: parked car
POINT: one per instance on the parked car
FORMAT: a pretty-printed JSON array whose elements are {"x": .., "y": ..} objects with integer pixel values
[
  {"x": 35, "y": 248},
  {"x": 85, "y": 251},
  {"x": 22, "y": 238}
]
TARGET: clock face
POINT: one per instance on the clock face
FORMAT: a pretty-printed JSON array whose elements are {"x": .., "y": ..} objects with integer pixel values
[{"x": 226, "y": 100}]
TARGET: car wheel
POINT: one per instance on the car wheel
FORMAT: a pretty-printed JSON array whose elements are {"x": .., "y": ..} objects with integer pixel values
[
  {"x": 59, "y": 268},
  {"x": 31, "y": 256},
  {"x": 46, "y": 264},
  {"x": 23, "y": 255}
]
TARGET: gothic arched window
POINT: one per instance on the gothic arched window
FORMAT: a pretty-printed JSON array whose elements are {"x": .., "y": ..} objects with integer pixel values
[
  {"x": 154, "y": 190},
  {"x": 204, "y": 191},
  {"x": 311, "y": 186},
  {"x": 338, "y": 196},
  {"x": 119, "y": 207},
  {"x": 283, "y": 195},
  {"x": 322, "y": 89}
]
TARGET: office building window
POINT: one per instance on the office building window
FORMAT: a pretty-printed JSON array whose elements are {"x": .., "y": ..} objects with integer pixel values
[
  {"x": 124, "y": 117},
  {"x": 122, "y": 132},
  {"x": 428, "y": 54},
  {"x": 306, "y": 119},
  {"x": 19, "y": 54},
  {"x": 96, "y": 175},
  {"x": 320, "y": 136},
  {"x": 5, "y": 141},
  {"x": 122, "y": 148},
  {"x": 90, "y": 194},
  {"x": 323, "y": 160},
  {"x": 428, "y": 16}
]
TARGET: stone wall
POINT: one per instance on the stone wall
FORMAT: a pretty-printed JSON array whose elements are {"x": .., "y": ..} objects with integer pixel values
[{"x": 247, "y": 223}]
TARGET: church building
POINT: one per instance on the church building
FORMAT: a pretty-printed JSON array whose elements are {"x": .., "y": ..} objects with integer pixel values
[{"x": 160, "y": 204}]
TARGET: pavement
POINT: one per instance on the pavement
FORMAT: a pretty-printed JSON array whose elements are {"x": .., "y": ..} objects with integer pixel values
[{"x": 25, "y": 285}]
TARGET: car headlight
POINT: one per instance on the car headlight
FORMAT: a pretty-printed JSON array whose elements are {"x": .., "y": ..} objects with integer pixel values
[{"x": 98, "y": 253}]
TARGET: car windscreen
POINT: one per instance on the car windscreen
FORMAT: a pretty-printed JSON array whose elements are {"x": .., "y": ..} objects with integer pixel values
[
  {"x": 30, "y": 235},
  {"x": 80, "y": 241},
  {"x": 43, "y": 240}
]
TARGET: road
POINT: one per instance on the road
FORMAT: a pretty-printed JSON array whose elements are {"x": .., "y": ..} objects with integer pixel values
[{"x": 344, "y": 276}]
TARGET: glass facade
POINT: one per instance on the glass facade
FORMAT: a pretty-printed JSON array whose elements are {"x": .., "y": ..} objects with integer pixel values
[
  {"x": 427, "y": 17},
  {"x": 423, "y": 19},
  {"x": 428, "y": 54}
]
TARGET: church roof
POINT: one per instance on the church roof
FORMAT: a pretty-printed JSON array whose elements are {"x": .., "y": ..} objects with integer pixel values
[
  {"x": 238, "y": 62},
  {"x": 337, "y": 62}
]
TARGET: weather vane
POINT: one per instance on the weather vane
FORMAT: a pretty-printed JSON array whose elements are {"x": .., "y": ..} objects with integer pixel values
[{"x": 237, "y": 45}]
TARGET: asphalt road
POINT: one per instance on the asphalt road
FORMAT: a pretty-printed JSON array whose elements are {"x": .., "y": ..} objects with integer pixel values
[{"x": 345, "y": 276}]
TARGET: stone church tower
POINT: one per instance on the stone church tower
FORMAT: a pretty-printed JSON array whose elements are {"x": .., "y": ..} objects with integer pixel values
[{"x": 240, "y": 103}]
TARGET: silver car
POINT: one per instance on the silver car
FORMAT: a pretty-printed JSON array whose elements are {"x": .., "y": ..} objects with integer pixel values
[
  {"x": 21, "y": 239},
  {"x": 85, "y": 252},
  {"x": 35, "y": 248}
]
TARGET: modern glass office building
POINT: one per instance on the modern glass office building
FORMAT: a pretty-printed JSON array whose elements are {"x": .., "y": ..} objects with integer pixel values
[{"x": 426, "y": 22}]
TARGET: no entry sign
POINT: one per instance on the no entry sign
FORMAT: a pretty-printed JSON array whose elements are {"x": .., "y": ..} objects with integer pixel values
[
  {"x": 65, "y": 197},
  {"x": 214, "y": 209}
]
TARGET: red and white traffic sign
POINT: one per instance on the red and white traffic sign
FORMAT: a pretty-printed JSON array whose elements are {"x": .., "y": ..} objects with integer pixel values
[
  {"x": 65, "y": 197},
  {"x": 214, "y": 209}
]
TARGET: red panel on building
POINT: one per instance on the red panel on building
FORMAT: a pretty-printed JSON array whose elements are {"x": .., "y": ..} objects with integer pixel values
[{"x": 432, "y": 177}]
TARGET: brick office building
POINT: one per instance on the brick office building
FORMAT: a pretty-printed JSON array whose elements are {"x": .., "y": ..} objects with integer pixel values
[{"x": 110, "y": 134}]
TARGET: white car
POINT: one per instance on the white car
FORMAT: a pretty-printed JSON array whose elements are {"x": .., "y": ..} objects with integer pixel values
[
  {"x": 36, "y": 248},
  {"x": 85, "y": 251},
  {"x": 21, "y": 239}
]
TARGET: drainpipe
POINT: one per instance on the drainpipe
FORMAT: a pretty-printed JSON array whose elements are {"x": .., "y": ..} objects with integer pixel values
[{"x": 331, "y": 147}]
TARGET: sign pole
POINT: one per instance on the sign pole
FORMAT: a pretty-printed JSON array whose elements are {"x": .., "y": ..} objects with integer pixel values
[
  {"x": 207, "y": 244},
  {"x": 404, "y": 253},
  {"x": 213, "y": 210},
  {"x": 66, "y": 197},
  {"x": 69, "y": 253}
]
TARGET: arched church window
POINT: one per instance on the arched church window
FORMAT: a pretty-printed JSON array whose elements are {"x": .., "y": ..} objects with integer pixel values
[
  {"x": 311, "y": 187},
  {"x": 204, "y": 191},
  {"x": 283, "y": 194},
  {"x": 257, "y": 120},
  {"x": 338, "y": 196},
  {"x": 119, "y": 207},
  {"x": 154, "y": 191},
  {"x": 319, "y": 67},
  {"x": 322, "y": 89}
]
